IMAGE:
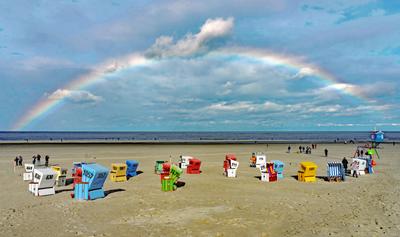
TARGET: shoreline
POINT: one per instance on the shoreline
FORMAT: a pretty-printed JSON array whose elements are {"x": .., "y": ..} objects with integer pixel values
[{"x": 178, "y": 142}]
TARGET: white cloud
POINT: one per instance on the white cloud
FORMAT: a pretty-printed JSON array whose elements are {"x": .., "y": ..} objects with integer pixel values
[
  {"x": 192, "y": 44},
  {"x": 77, "y": 96},
  {"x": 303, "y": 72},
  {"x": 234, "y": 107}
]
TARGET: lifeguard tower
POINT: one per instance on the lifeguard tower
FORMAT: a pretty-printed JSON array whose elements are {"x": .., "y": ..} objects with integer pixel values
[
  {"x": 43, "y": 182},
  {"x": 184, "y": 161},
  {"x": 118, "y": 172},
  {"x": 169, "y": 183},
  {"x": 278, "y": 167},
  {"x": 132, "y": 166},
  {"x": 28, "y": 174},
  {"x": 307, "y": 172},
  {"x": 194, "y": 166},
  {"x": 91, "y": 186},
  {"x": 61, "y": 178},
  {"x": 335, "y": 171}
]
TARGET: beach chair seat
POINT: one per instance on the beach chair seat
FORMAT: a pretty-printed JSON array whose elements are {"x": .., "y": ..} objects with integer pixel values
[
  {"x": 118, "y": 172},
  {"x": 194, "y": 166},
  {"x": 307, "y": 172},
  {"x": 131, "y": 169},
  {"x": 167, "y": 184}
]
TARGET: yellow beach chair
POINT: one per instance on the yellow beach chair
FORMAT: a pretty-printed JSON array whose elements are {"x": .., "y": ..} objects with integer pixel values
[
  {"x": 118, "y": 172},
  {"x": 307, "y": 172}
]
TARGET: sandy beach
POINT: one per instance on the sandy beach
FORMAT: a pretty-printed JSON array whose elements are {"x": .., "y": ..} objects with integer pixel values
[{"x": 209, "y": 204}]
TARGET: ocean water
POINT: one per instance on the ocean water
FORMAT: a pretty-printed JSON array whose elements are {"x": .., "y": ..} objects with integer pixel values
[{"x": 193, "y": 136}]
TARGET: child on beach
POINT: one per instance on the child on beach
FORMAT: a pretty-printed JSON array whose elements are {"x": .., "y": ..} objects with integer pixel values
[{"x": 354, "y": 168}]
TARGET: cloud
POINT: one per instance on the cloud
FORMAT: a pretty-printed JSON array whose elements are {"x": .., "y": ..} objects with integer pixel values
[
  {"x": 77, "y": 96},
  {"x": 378, "y": 12},
  {"x": 303, "y": 72},
  {"x": 234, "y": 107},
  {"x": 191, "y": 44}
]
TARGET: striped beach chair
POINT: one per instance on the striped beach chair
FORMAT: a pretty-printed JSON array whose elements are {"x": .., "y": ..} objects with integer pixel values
[{"x": 335, "y": 171}]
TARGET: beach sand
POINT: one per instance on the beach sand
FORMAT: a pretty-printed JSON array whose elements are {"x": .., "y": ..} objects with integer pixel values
[{"x": 209, "y": 204}]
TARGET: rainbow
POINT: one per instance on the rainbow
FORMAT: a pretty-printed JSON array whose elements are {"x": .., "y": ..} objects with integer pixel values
[{"x": 46, "y": 105}]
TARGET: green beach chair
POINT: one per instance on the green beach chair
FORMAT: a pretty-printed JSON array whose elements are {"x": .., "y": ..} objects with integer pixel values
[{"x": 158, "y": 168}]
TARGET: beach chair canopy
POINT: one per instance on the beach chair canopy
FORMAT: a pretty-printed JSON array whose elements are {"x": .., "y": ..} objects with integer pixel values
[{"x": 95, "y": 175}]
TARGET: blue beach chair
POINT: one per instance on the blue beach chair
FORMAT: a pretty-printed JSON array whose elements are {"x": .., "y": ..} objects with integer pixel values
[
  {"x": 335, "y": 171},
  {"x": 132, "y": 167}
]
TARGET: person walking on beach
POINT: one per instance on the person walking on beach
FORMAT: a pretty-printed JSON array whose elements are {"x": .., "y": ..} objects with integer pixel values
[
  {"x": 288, "y": 149},
  {"x": 345, "y": 162},
  {"x": 47, "y": 160},
  {"x": 16, "y": 161},
  {"x": 38, "y": 158},
  {"x": 326, "y": 152},
  {"x": 33, "y": 159},
  {"x": 300, "y": 149},
  {"x": 20, "y": 159}
]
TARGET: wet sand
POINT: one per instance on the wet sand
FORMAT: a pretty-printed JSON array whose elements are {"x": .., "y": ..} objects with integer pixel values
[{"x": 209, "y": 204}]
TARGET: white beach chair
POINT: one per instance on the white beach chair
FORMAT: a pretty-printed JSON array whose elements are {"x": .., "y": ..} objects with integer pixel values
[
  {"x": 28, "y": 174},
  {"x": 264, "y": 173},
  {"x": 362, "y": 165},
  {"x": 43, "y": 182},
  {"x": 184, "y": 161},
  {"x": 261, "y": 159},
  {"x": 231, "y": 171}
]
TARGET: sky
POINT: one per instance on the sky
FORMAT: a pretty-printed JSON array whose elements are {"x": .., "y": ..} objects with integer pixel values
[{"x": 290, "y": 65}]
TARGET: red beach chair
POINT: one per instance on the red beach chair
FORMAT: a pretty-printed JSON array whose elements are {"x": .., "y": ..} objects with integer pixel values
[{"x": 194, "y": 166}]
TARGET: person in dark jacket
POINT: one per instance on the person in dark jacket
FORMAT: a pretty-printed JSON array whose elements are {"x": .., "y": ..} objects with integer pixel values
[
  {"x": 345, "y": 162},
  {"x": 20, "y": 159},
  {"x": 16, "y": 161},
  {"x": 326, "y": 152},
  {"x": 46, "y": 158}
]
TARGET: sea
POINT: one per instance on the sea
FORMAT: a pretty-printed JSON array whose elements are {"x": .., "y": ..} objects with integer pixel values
[{"x": 330, "y": 136}]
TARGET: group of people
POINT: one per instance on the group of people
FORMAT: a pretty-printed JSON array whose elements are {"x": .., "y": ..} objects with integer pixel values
[
  {"x": 36, "y": 158},
  {"x": 354, "y": 166},
  {"x": 307, "y": 149},
  {"x": 18, "y": 160}
]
